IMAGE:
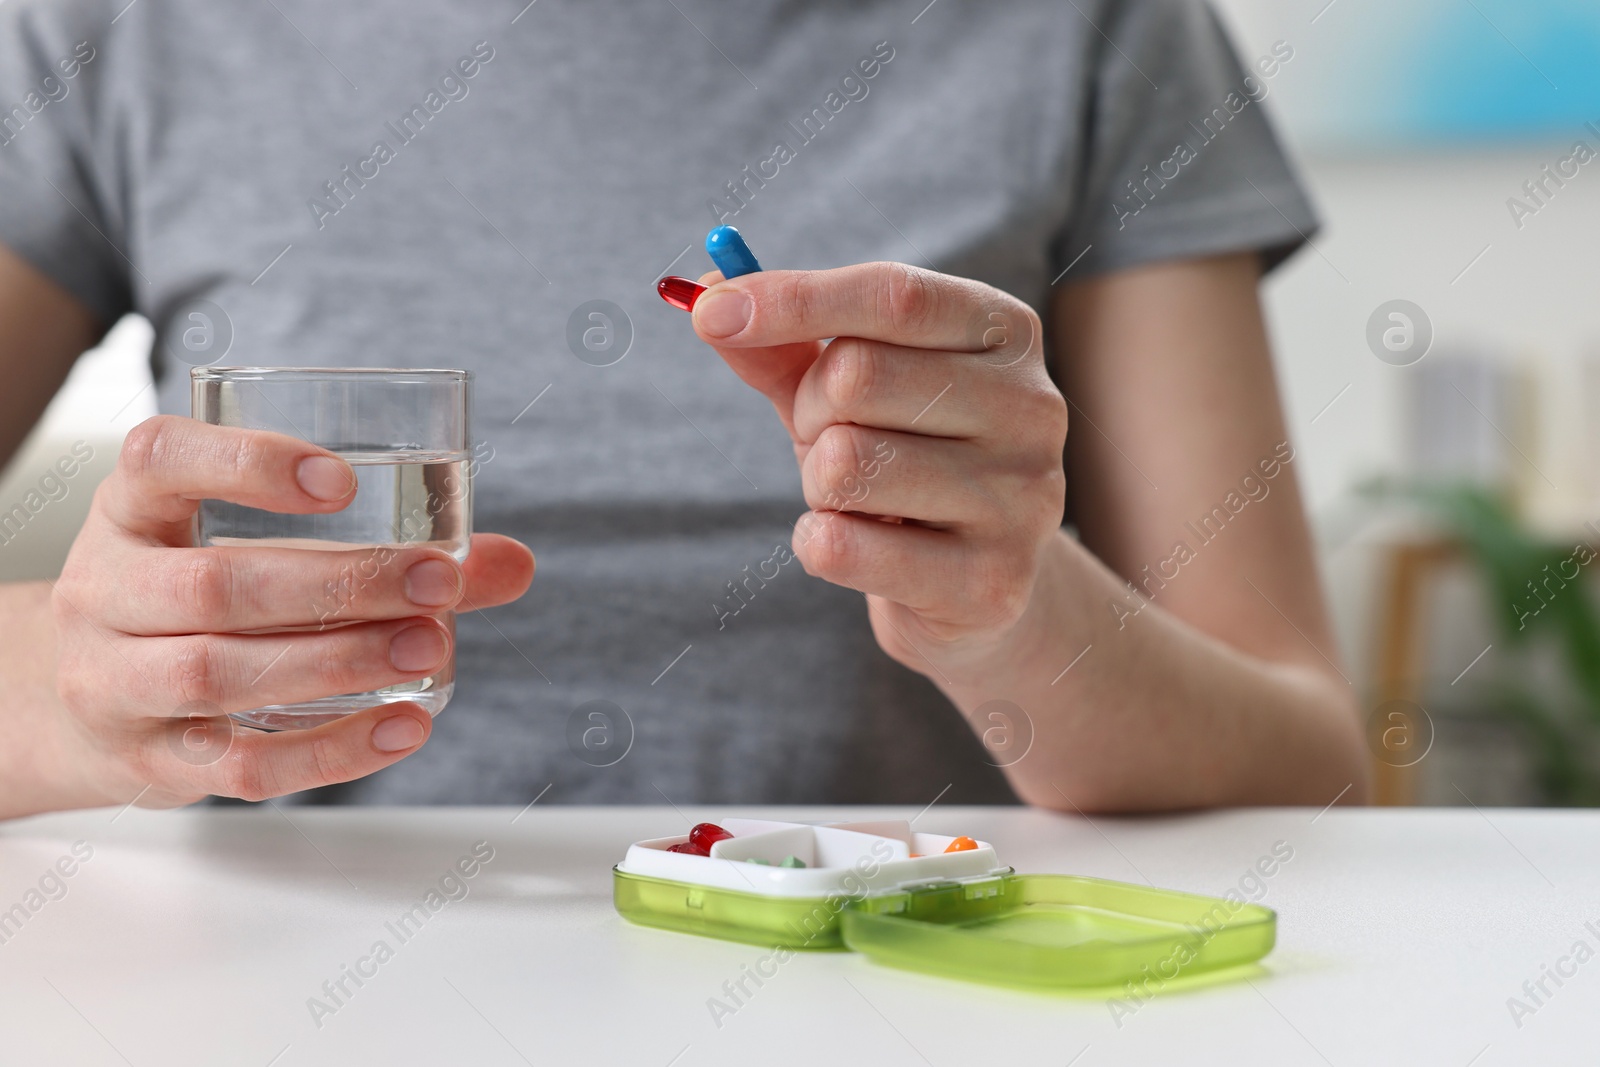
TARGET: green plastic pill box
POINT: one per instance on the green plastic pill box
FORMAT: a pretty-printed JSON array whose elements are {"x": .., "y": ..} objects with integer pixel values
[{"x": 897, "y": 897}]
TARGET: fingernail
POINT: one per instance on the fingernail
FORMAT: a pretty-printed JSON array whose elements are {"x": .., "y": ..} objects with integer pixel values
[
  {"x": 433, "y": 583},
  {"x": 723, "y": 314},
  {"x": 397, "y": 733},
  {"x": 418, "y": 648},
  {"x": 325, "y": 478}
]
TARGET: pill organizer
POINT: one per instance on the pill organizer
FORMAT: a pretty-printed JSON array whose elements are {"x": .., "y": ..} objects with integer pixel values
[{"x": 898, "y": 897}]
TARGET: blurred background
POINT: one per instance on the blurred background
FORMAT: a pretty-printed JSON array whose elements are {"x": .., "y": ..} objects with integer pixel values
[{"x": 1439, "y": 353}]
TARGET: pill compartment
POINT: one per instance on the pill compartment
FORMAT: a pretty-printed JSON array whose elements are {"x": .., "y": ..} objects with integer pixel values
[
  {"x": 897, "y": 897},
  {"x": 725, "y": 895}
]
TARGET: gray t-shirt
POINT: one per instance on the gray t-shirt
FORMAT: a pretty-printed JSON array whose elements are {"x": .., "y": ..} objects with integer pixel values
[{"x": 417, "y": 184}]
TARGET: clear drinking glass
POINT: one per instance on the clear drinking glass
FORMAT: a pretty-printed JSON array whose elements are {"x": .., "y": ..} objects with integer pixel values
[{"x": 406, "y": 435}]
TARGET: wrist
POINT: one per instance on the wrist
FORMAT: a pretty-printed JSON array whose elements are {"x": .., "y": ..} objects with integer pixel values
[
  {"x": 73, "y": 770},
  {"x": 44, "y": 763},
  {"x": 1028, "y": 655}
]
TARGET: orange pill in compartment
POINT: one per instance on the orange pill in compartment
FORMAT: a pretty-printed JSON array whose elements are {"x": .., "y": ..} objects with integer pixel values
[{"x": 961, "y": 844}]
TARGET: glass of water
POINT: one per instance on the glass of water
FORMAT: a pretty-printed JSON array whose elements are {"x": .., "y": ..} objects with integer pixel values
[{"x": 406, "y": 435}]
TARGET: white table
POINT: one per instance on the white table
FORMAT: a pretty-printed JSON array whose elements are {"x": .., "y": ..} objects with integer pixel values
[{"x": 199, "y": 937}]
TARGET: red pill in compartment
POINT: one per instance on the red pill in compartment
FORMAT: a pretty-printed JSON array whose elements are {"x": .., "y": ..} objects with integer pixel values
[
  {"x": 688, "y": 848},
  {"x": 706, "y": 834},
  {"x": 681, "y": 293}
]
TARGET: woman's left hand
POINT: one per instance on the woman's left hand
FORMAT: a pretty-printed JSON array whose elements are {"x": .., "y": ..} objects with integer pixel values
[{"x": 929, "y": 437}]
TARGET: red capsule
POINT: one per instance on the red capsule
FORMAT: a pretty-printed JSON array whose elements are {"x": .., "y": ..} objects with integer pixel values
[
  {"x": 688, "y": 848},
  {"x": 681, "y": 293},
  {"x": 706, "y": 834}
]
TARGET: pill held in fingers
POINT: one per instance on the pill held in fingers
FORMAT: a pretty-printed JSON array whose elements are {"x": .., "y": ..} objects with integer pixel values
[
  {"x": 726, "y": 247},
  {"x": 728, "y": 251},
  {"x": 681, "y": 293}
]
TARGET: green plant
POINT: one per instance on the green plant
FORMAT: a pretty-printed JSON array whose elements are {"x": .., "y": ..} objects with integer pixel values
[{"x": 1519, "y": 568}]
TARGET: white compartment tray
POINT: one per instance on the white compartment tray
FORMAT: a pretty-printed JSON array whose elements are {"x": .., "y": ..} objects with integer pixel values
[{"x": 847, "y": 858}]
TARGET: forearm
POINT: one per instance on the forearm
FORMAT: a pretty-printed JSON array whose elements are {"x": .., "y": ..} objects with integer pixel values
[
  {"x": 46, "y": 328},
  {"x": 36, "y": 773},
  {"x": 1156, "y": 714}
]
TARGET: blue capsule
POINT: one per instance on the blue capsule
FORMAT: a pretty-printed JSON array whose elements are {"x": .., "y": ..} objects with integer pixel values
[{"x": 729, "y": 252}]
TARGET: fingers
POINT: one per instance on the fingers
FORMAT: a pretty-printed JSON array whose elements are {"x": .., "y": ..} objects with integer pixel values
[
  {"x": 168, "y": 464},
  {"x": 940, "y": 575},
  {"x": 256, "y": 766},
  {"x": 170, "y": 591},
  {"x": 944, "y": 394},
  {"x": 237, "y": 672},
  {"x": 888, "y": 302},
  {"x": 909, "y": 565},
  {"x": 770, "y": 327},
  {"x": 774, "y": 372},
  {"x": 978, "y": 515},
  {"x": 164, "y": 591},
  {"x": 928, "y": 479},
  {"x": 498, "y": 570}
]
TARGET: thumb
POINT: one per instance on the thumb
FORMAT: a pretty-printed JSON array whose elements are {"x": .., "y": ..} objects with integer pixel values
[{"x": 774, "y": 372}]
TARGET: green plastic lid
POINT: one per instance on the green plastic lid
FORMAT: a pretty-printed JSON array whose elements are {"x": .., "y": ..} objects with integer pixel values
[{"x": 1055, "y": 931}]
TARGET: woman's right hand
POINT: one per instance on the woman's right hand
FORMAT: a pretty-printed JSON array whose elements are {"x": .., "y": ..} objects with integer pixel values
[{"x": 155, "y": 641}]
